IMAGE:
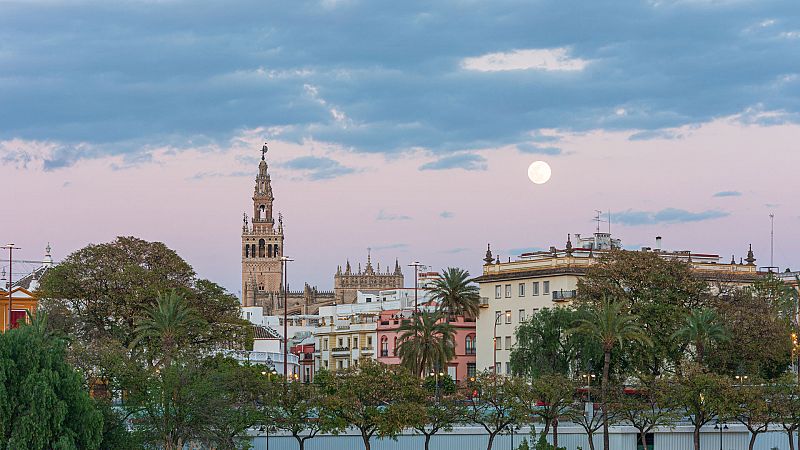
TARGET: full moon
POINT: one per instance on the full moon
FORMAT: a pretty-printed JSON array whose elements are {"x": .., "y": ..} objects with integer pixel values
[{"x": 539, "y": 172}]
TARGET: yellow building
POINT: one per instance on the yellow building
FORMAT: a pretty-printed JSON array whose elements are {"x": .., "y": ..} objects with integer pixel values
[{"x": 23, "y": 304}]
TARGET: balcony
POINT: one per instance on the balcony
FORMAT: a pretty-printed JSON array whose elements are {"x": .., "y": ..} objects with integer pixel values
[
  {"x": 368, "y": 350},
  {"x": 564, "y": 296},
  {"x": 470, "y": 351},
  {"x": 340, "y": 350}
]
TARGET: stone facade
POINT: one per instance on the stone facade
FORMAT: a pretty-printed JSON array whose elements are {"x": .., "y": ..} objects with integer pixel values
[{"x": 347, "y": 283}]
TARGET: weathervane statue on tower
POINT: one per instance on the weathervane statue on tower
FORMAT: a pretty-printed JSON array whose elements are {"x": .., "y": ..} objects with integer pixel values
[{"x": 264, "y": 151}]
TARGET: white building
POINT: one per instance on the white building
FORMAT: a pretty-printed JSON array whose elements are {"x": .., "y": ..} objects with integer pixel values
[{"x": 512, "y": 291}]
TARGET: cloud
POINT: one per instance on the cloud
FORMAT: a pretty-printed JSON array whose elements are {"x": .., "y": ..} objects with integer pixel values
[
  {"x": 318, "y": 168},
  {"x": 383, "y": 215},
  {"x": 655, "y": 134},
  {"x": 538, "y": 149},
  {"x": 443, "y": 86},
  {"x": 728, "y": 194},
  {"x": 207, "y": 175},
  {"x": 447, "y": 215},
  {"x": 453, "y": 251},
  {"x": 466, "y": 161},
  {"x": 520, "y": 250},
  {"x": 547, "y": 59},
  {"x": 665, "y": 216},
  {"x": 390, "y": 246}
]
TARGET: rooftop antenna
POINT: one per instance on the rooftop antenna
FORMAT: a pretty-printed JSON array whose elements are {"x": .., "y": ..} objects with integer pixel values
[
  {"x": 609, "y": 221},
  {"x": 598, "y": 217},
  {"x": 771, "y": 239}
]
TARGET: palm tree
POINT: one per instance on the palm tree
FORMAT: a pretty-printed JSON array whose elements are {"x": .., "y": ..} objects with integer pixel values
[
  {"x": 609, "y": 325},
  {"x": 166, "y": 325},
  {"x": 426, "y": 343},
  {"x": 702, "y": 328},
  {"x": 455, "y": 293}
]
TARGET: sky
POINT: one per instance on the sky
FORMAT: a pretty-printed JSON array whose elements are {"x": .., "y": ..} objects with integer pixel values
[{"x": 404, "y": 127}]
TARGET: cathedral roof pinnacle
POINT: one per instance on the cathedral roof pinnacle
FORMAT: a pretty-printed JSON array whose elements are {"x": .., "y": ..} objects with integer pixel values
[
  {"x": 750, "y": 257},
  {"x": 569, "y": 246},
  {"x": 488, "y": 258}
]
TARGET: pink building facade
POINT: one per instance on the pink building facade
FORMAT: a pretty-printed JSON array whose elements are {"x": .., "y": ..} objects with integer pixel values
[{"x": 460, "y": 368}]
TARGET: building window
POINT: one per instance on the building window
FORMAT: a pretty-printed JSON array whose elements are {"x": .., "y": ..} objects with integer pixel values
[
  {"x": 497, "y": 291},
  {"x": 469, "y": 344},
  {"x": 341, "y": 342},
  {"x": 325, "y": 344},
  {"x": 369, "y": 299},
  {"x": 369, "y": 341},
  {"x": 471, "y": 370},
  {"x": 508, "y": 342},
  {"x": 508, "y": 368},
  {"x": 340, "y": 364},
  {"x": 326, "y": 363},
  {"x": 535, "y": 288},
  {"x": 546, "y": 287},
  {"x": 522, "y": 289},
  {"x": 394, "y": 348},
  {"x": 508, "y": 291},
  {"x": 355, "y": 342},
  {"x": 498, "y": 343},
  {"x": 521, "y": 315},
  {"x": 384, "y": 346},
  {"x": 508, "y": 316}
]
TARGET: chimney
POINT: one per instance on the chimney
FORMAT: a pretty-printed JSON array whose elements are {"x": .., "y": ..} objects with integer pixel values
[{"x": 658, "y": 243}]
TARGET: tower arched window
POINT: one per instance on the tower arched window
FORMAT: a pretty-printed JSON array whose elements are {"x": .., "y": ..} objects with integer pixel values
[
  {"x": 246, "y": 250},
  {"x": 275, "y": 251},
  {"x": 261, "y": 248},
  {"x": 269, "y": 250},
  {"x": 469, "y": 344},
  {"x": 262, "y": 212}
]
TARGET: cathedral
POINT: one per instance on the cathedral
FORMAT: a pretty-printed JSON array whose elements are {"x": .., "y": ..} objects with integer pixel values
[{"x": 262, "y": 265}]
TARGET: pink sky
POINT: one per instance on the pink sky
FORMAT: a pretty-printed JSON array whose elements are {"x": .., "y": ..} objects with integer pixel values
[{"x": 328, "y": 221}]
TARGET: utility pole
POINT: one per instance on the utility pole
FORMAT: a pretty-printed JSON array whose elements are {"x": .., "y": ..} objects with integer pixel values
[{"x": 11, "y": 248}]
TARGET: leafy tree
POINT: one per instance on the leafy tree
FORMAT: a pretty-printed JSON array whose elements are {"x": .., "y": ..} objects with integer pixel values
[
  {"x": 610, "y": 326},
  {"x": 761, "y": 316},
  {"x": 702, "y": 328},
  {"x": 297, "y": 408},
  {"x": 786, "y": 402},
  {"x": 647, "y": 407},
  {"x": 373, "y": 398},
  {"x": 455, "y": 294},
  {"x": 701, "y": 396},
  {"x": 43, "y": 404},
  {"x": 438, "y": 413},
  {"x": 549, "y": 397},
  {"x": 98, "y": 292},
  {"x": 426, "y": 343},
  {"x": 582, "y": 413},
  {"x": 656, "y": 290},
  {"x": 193, "y": 401},
  {"x": 544, "y": 346},
  {"x": 754, "y": 407},
  {"x": 166, "y": 326},
  {"x": 497, "y": 405}
]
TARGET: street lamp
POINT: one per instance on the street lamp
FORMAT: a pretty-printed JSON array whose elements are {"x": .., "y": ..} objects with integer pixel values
[
  {"x": 285, "y": 262},
  {"x": 436, "y": 376},
  {"x": 11, "y": 248},
  {"x": 720, "y": 426},
  {"x": 589, "y": 377},
  {"x": 741, "y": 379},
  {"x": 497, "y": 318},
  {"x": 416, "y": 265}
]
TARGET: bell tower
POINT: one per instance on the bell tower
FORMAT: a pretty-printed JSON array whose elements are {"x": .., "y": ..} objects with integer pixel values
[{"x": 262, "y": 242}]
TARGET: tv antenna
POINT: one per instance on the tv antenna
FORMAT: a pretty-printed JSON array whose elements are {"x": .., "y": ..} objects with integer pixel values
[
  {"x": 598, "y": 218},
  {"x": 771, "y": 243}
]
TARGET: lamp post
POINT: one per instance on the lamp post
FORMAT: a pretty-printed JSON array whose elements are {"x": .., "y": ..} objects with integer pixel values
[
  {"x": 720, "y": 426},
  {"x": 741, "y": 379},
  {"x": 436, "y": 376},
  {"x": 11, "y": 248},
  {"x": 589, "y": 377},
  {"x": 416, "y": 265},
  {"x": 285, "y": 262},
  {"x": 496, "y": 321}
]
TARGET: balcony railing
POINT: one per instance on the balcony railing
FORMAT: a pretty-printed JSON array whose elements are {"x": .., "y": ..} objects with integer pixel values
[
  {"x": 484, "y": 302},
  {"x": 563, "y": 296},
  {"x": 470, "y": 351},
  {"x": 340, "y": 349},
  {"x": 384, "y": 353},
  {"x": 367, "y": 349}
]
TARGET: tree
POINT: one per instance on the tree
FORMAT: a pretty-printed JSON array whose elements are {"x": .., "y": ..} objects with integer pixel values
[
  {"x": 581, "y": 412},
  {"x": 754, "y": 407},
  {"x": 549, "y": 397},
  {"x": 98, "y": 292},
  {"x": 297, "y": 408},
  {"x": 426, "y": 343},
  {"x": 43, "y": 404},
  {"x": 193, "y": 400},
  {"x": 657, "y": 290},
  {"x": 545, "y": 347},
  {"x": 701, "y": 396},
  {"x": 166, "y": 326},
  {"x": 438, "y": 413},
  {"x": 702, "y": 328},
  {"x": 611, "y": 326},
  {"x": 373, "y": 398},
  {"x": 495, "y": 403},
  {"x": 786, "y": 402},
  {"x": 455, "y": 294},
  {"x": 647, "y": 407}
]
